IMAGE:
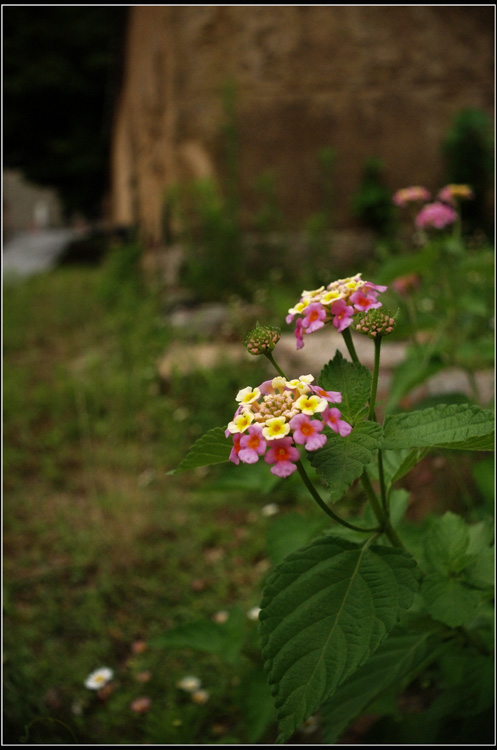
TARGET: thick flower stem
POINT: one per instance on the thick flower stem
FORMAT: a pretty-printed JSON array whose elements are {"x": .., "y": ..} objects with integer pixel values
[
  {"x": 315, "y": 494},
  {"x": 383, "y": 519},
  {"x": 374, "y": 382},
  {"x": 350, "y": 346},
  {"x": 278, "y": 369},
  {"x": 372, "y": 416}
]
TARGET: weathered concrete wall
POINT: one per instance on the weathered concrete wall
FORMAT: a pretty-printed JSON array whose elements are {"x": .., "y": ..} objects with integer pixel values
[{"x": 370, "y": 80}]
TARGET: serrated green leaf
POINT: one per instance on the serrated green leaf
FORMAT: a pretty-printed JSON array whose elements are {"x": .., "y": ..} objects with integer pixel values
[
  {"x": 398, "y": 660},
  {"x": 446, "y": 543},
  {"x": 223, "y": 639},
  {"x": 352, "y": 380},
  {"x": 342, "y": 460},
  {"x": 211, "y": 448},
  {"x": 481, "y": 535},
  {"x": 480, "y": 573},
  {"x": 325, "y": 610},
  {"x": 449, "y": 600},
  {"x": 456, "y": 426}
]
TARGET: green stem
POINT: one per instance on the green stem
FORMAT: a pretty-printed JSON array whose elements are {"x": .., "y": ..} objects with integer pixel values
[
  {"x": 383, "y": 519},
  {"x": 372, "y": 416},
  {"x": 278, "y": 369},
  {"x": 383, "y": 490},
  {"x": 474, "y": 386},
  {"x": 317, "y": 497},
  {"x": 374, "y": 382},
  {"x": 350, "y": 345}
]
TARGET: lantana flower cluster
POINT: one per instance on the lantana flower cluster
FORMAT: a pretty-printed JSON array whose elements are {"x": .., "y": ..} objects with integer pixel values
[
  {"x": 440, "y": 212},
  {"x": 436, "y": 215},
  {"x": 279, "y": 415},
  {"x": 338, "y": 303}
]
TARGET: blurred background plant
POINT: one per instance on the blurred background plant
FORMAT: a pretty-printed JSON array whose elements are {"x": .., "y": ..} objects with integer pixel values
[
  {"x": 442, "y": 286},
  {"x": 468, "y": 150}
]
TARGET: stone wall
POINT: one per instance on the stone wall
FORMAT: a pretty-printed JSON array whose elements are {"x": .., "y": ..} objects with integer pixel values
[{"x": 365, "y": 80}]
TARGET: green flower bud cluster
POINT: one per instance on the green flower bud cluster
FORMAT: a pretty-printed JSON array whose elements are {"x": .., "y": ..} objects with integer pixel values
[
  {"x": 262, "y": 339},
  {"x": 375, "y": 323}
]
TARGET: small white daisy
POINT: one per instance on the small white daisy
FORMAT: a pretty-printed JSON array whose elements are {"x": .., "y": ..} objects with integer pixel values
[
  {"x": 253, "y": 614},
  {"x": 99, "y": 678},
  {"x": 269, "y": 510},
  {"x": 190, "y": 684}
]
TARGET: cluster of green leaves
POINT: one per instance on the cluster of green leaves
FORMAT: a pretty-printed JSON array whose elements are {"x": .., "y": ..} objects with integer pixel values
[
  {"x": 342, "y": 620},
  {"x": 445, "y": 313}
]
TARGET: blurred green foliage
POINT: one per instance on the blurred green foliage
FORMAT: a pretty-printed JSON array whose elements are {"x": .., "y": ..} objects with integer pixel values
[
  {"x": 468, "y": 150},
  {"x": 372, "y": 203}
]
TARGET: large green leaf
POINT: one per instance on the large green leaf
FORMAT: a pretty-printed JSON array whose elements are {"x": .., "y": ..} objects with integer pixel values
[
  {"x": 211, "y": 448},
  {"x": 397, "y": 661},
  {"x": 325, "y": 610},
  {"x": 456, "y": 426},
  {"x": 352, "y": 380},
  {"x": 342, "y": 460}
]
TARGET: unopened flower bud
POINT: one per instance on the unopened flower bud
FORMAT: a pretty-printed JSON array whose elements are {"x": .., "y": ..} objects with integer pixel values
[
  {"x": 262, "y": 339},
  {"x": 375, "y": 323}
]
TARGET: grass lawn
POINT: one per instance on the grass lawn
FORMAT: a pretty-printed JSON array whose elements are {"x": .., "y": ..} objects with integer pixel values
[{"x": 103, "y": 550}]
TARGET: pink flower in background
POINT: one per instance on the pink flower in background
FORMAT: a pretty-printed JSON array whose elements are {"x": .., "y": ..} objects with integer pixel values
[
  {"x": 452, "y": 193},
  {"x": 333, "y": 418},
  {"x": 405, "y": 284},
  {"x": 283, "y": 455},
  {"x": 307, "y": 431},
  {"x": 436, "y": 216},
  {"x": 414, "y": 194},
  {"x": 141, "y": 705}
]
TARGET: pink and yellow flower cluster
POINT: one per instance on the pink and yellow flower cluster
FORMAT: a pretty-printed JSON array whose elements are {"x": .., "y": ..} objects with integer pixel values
[
  {"x": 338, "y": 303},
  {"x": 279, "y": 415}
]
